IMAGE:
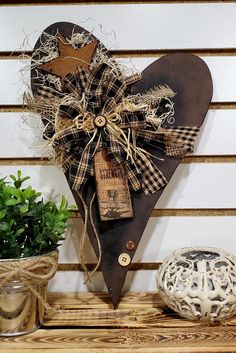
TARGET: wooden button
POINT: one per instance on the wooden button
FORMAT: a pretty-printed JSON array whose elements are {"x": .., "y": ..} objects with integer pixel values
[
  {"x": 129, "y": 245},
  {"x": 124, "y": 259},
  {"x": 100, "y": 121}
]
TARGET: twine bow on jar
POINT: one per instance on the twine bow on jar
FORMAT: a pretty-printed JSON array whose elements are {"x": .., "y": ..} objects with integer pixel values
[{"x": 30, "y": 272}]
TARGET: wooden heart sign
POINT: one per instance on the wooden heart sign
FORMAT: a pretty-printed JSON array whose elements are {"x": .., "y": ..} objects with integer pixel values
[{"x": 118, "y": 138}]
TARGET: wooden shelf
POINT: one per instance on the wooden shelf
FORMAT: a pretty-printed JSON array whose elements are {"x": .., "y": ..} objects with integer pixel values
[{"x": 87, "y": 322}]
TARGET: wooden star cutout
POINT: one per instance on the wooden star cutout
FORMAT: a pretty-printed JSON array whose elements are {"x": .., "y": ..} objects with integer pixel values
[{"x": 69, "y": 58}]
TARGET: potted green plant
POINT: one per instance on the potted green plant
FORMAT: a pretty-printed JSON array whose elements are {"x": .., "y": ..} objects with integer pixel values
[{"x": 30, "y": 232}]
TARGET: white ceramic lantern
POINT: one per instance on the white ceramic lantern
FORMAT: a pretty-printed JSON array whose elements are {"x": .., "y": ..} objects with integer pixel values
[{"x": 199, "y": 283}]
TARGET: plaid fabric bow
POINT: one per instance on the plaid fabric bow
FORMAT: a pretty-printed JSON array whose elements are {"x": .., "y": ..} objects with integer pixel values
[{"x": 126, "y": 135}]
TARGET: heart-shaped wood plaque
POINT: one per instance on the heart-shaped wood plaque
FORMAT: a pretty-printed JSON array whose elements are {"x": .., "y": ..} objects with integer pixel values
[{"x": 59, "y": 69}]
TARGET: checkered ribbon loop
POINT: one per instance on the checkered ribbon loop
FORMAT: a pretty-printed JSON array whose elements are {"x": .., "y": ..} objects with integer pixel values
[
  {"x": 127, "y": 135},
  {"x": 180, "y": 140}
]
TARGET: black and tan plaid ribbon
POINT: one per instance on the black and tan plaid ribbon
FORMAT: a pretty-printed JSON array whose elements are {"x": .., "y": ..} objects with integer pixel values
[
  {"x": 180, "y": 140},
  {"x": 100, "y": 91}
]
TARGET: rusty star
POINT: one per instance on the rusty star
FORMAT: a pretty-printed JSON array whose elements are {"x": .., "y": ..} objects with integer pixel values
[{"x": 69, "y": 58}]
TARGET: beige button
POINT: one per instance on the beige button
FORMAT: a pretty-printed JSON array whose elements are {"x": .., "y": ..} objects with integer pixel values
[
  {"x": 100, "y": 121},
  {"x": 124, "y": 259}
]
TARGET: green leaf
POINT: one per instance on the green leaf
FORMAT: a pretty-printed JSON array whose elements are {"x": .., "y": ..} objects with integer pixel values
[
  {"x": 4, "y": 226},
  {"x": 19, "y": 174},
  {"x": 24, "y": 209},
  {"x": 19, "y": 231},
  {"x": 12, "y": 202},
  {"x": 25, "y": 178},
  {"x": 19, "y": 181},
  {"x": 29, "y": 226},
  {"x": 26, "y": 252},
  {"x": 63, "y": 203},
  {"x": 13, "y": 177},
  {"x": 2, "y": 213},
  {"x": 27, "y": 192}
]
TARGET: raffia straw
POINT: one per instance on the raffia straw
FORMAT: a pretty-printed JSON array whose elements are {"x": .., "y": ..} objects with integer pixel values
[{"x": 49, "y": 48}]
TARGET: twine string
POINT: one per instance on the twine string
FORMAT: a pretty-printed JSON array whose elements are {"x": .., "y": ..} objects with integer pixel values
[
  {"x": 88, "y": 215},
  {"x": 97, "y": 238},
  {"x": 30, "y": 271}
]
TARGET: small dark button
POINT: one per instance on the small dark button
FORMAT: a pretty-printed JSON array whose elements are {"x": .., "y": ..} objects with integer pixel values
[{"x": 130, "y": 245}]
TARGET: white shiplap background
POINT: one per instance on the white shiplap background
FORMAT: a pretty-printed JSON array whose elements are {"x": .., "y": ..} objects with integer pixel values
[{"x": 198, "y": 206}]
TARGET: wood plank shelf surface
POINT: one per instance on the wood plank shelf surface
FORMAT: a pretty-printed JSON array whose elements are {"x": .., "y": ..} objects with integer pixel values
[{"x": 87, "y": 322}]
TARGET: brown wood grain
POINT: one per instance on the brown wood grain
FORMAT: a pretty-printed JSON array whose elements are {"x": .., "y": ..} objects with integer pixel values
[
  {"x": 18, "y": 108},
  {"x": 185, "y": 160},
  {"x": 204, "y": 339},
  {"x": 184, "y": 212},
  {"x": 137, "y": 53},
  {"x": 84, "y": 2},
  {"x": 96, "y": 299},
  {"x": 120, "y": 318},
  {"x": 101, "y": 300},
  {"x": 86, "y": 322},
  {"x": 90, "y": 266},
  {"x": 136, "y": 310},
  {"x": 161, "y": 349},
  {"x": 194, "y": 212}
]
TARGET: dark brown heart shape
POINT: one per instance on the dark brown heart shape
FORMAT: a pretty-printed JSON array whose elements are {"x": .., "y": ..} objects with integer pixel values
[{"x": 189, "y": 77}]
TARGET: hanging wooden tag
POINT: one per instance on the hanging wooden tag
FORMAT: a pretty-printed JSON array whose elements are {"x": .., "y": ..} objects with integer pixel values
[{"x": 114, "y": 201}]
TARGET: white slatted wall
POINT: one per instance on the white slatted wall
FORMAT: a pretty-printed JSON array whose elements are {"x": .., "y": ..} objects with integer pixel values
[{"x": 198, "y": 206}]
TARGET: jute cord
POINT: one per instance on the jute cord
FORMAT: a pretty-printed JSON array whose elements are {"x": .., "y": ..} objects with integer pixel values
[
  {"x": 31, "y": 272},
  {"x": 88, "y": 212}
]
